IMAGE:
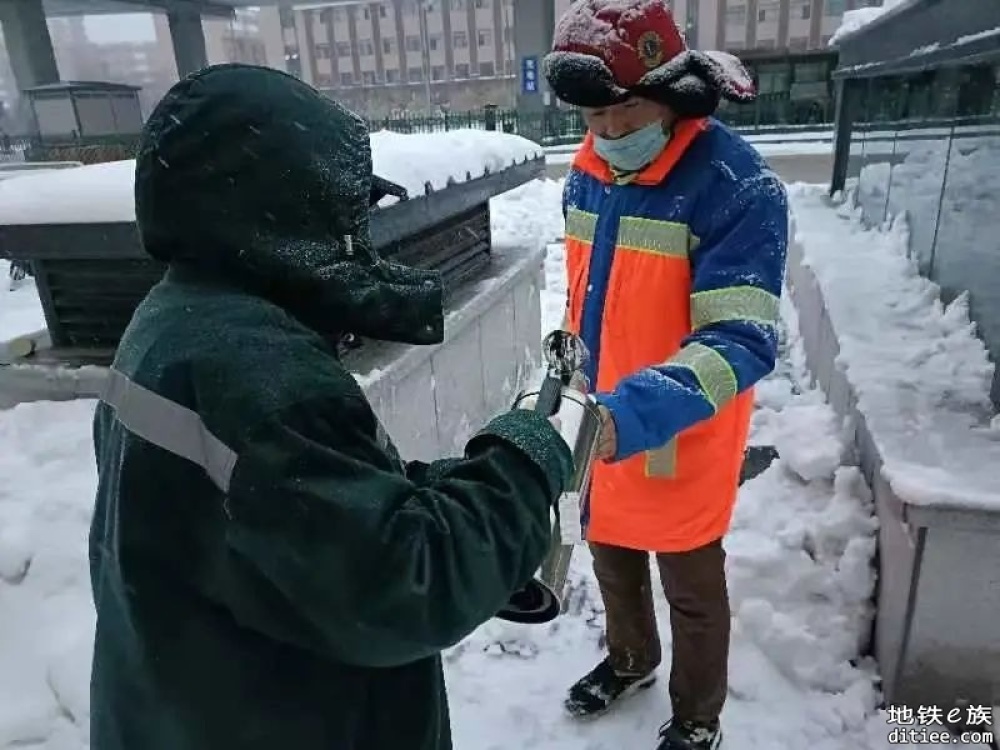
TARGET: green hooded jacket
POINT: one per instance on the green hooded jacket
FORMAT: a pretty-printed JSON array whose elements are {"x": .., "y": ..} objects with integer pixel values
[{"x": 267, "y": 572}]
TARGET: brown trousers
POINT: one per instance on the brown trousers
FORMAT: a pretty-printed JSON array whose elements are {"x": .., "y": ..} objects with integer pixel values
[{"x": 695, "y": 586}]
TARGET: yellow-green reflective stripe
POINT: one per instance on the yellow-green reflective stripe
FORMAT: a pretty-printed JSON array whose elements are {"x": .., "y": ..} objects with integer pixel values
[
  {"x": 652, "y": 236},
  {"x": 734, "y": 303},
  {"x": 662, "y": 462},
  {"x": 580, "y": 225},
  {"x": 715, "y": 376}
]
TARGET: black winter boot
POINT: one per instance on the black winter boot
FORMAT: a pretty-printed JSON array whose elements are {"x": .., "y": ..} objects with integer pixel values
[
  {"x": 689, "y": 735},
  {"x": 594, "y": 694}
]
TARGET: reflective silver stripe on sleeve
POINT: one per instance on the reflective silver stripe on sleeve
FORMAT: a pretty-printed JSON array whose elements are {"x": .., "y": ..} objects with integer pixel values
[{"x": 169, "y": 426}]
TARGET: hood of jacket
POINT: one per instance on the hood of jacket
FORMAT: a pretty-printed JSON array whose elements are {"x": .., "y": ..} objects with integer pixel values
[{"x": 248, "y": 174}]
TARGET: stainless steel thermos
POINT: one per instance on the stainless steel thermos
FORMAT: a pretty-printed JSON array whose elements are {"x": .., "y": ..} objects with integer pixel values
[{"x": 563, "y": 395}]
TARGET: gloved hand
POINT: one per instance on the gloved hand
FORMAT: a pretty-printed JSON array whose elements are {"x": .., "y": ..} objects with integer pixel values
[
  {"x": 535, "y": 603},
  {"x": 607, "y": 443}
]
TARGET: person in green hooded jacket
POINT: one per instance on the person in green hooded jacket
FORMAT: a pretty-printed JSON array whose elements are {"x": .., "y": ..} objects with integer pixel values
[{"x": 267, "y": 572}]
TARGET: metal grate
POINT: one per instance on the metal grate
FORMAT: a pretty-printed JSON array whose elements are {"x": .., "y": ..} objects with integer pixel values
[{"x": 90, "y": 301}]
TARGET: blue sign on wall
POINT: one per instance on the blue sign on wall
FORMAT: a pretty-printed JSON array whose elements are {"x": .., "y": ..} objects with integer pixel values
[{"x": 529, "y": 75}]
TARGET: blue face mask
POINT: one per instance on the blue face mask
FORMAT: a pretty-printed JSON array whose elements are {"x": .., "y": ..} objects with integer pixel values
[{"x": 634, "y": 151}]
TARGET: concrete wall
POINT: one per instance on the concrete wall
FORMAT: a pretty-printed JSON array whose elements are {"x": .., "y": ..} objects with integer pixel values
[
  {"x": 430, "y": 398},
  {"x": 937, "y": 633}
]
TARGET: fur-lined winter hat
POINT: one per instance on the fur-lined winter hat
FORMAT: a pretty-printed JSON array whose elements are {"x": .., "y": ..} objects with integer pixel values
[{"x": 605, "y": 51}]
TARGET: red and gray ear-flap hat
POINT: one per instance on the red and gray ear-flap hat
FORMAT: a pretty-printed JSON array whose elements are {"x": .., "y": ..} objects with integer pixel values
[{"x": 605, "y": 51}]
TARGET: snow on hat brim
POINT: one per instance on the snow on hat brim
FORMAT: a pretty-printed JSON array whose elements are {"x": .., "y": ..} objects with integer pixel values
[{"x": 691, "y": 83}]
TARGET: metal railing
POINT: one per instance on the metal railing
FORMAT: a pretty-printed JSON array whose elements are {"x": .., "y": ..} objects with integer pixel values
[{"x": 770, "y": 114}]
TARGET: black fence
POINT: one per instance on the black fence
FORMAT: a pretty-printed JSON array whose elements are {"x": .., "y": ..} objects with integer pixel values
[{"x": 771, "y": 113}]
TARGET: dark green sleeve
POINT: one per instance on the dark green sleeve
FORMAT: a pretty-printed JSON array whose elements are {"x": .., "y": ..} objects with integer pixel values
[
  {"x": 420, "y": 472},
  {"x": 374, "y": 568}
]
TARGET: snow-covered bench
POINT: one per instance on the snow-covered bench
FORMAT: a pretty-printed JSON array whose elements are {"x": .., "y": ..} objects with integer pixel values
[
  {"x": 84, "y": 218},
  {"x": 914, "y": 381}
]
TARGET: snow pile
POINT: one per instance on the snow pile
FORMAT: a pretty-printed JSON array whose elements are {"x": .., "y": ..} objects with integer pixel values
[
  {"x": 914, "y": 186},
  {"x": 47, "y": 484},
  {"x": 921, "y": 375},
  {"x": 411, "y": 160},
  {"x": 100, "y": 193},
  {"x": 855, "y": 20},
  {"x": 527, "y": 216},
  {"x": 20, "y": 309}
]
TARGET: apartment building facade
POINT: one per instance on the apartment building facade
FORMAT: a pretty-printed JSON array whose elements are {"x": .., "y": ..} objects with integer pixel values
[
  {"x": 414, "y": 55},
  {"x": 382, "y": 57}
]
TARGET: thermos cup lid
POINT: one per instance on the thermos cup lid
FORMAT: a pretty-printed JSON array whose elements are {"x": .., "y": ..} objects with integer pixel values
[{"x": 535, "y": 604}]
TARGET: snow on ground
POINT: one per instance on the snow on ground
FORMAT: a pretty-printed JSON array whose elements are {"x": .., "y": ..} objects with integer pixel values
[
  {"x": 800, "y": 556},
  {"x": 20, "y": 310},
  {"x": 921, "y": 375}
]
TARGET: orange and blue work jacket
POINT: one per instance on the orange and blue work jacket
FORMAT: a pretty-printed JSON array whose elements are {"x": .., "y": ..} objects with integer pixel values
[{"x": 675, "y": 276}]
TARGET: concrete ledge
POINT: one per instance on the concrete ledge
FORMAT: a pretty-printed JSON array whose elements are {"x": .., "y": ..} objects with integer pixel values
[
  {"x": 431, "y": 399},
  {"x": 938, "y": 600}
]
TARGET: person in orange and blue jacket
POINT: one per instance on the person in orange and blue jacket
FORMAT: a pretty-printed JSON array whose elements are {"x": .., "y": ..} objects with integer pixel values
[{"x": 676, "y": 235}]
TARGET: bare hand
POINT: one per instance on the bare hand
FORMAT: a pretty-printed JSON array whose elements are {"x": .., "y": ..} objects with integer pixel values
[{"x": 607, "y": 443}]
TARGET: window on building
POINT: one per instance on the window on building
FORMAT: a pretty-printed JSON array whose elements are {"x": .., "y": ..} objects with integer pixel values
[
  {"x": 347, "y": 79},
  {"x": 798, "y": 43},
  {"x": 460, "y": 39},
  {"x": 324, "y": 80},
  {"x": 810, "y": 72},
  {"x": 344, "y": 49},
  {"x": 367, "y": 13},
  {"x": 437, "y": 72},
  {"x": 736, "y": 14},
  {"x": 458, "y": 4},
  {"x": 413, "y": 43},
  {"x": 761, "y": 15},
  {"x": 434, "y": 42},
  {"x": 483, "y": 3},
  {"x": 461, "y": 70},
  {"x": 389, "y": 45},
  {"x": 326, "y": 15},
  {"x": 391, "y": 75},
  {"x": 287, "y": 16},
  {"x": 382, "y": 12},
  {"x": 366, "y": 48},
  {"x": 322, "y": 51},
  {"x": 806, "y": 11},
  {"x": 485, "y": 37},
  {"x": 368, "y": 78},
  {"x": 835, "y": 7},
  {"x": 487, "y": 69},
  {"x": 415, "y": 74}
]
